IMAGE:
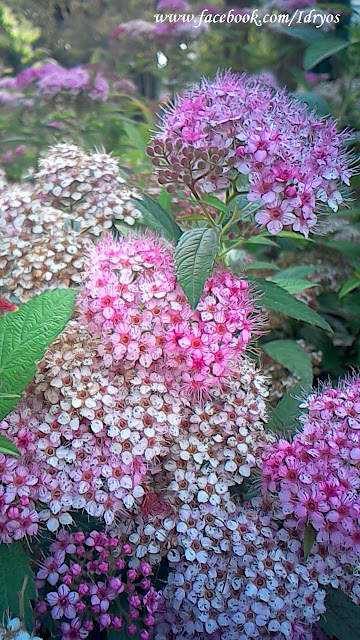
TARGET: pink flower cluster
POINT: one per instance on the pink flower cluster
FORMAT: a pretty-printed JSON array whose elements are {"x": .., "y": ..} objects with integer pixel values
[
  {"x": 235, "y": 128},
  {"x": 18, "y": 489},
  {"x": 316, "y": 477},
  {"x": 51, "y": 78},
  {"x": 87, "y": 578},
  {"x": 132, "y": 301}
]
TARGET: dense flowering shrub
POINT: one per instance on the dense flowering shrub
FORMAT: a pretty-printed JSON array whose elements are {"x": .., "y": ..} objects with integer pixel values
[
  {"x": 51, "y": 79},
  {"x": 161, "y": 465},
  {"x": 236, "y": 131}
]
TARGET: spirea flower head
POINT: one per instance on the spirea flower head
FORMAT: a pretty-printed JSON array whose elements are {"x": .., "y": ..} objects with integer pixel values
[
  {"x": 245, "y": 580},
  {"x": 316, "y": 476},
  {"x": 45, "y": 229},
  {"x": 51, "y": 79},
  {"x": 87, "y": 578},
  {"x": 87, "y": 185},
  {"x": 89, "y": 438},
  {"x": 132, "y": 301},
  {"x": 291, "y": 162}
]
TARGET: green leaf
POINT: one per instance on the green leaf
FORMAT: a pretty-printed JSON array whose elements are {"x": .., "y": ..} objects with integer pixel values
[
  {"x": 284, "y": 417},
  {"x": 14, "y": 573},
  {"x": 292, "y": 285},
  {"x": 24, "y": 337},
  {"x": 295, "y": 272},
  {"x": 194, "y": 257},
  {"x": 342, "y": 616},
  {"x": 121, "y": 634},
  {"x": 8, "y": 447},
  {"x": 165, "y": 199},
  {"x": 314, "y": 101},
  {"x": 349, "y": 248},
  {"x": 292, "y": 356},
  {"x": 319, "y": 51},
  {"x": 137, "y": 135},
  {"x": 294, "y": 236},
  {"x": 263, "y": 240},
  {"x": 350, "y": 285},
  {"x": 260, "y": 265},
  {"x": 309, "y": 539},
  {"x": 216, "y": 203},
  {"x": 156, "y": 217},
  {"x": 277, "y": 299}
]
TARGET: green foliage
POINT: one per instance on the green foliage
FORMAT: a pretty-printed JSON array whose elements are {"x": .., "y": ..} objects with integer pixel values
[
  {"x": 6, "y": 446},
  {"x": 17, "y": 587},
  {"x": 277, "y": 299},
  {"x": 194, "y": 257},
  {"x": 350, "y": 285},
  {"x": 24, "y": 337},
  {"x": 309, "y": 539},
  {"x": 284, "y": 417},
  {"x": 291, "y": 356},
  {"x": 157, "y": 218},
  {"x": 322, "y": 49},
  {"x": 342, "y": 616},
  {"x": 122, "y": 634}
]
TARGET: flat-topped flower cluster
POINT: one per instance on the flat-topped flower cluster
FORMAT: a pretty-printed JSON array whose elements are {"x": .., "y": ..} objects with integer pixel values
[{"x": 235, "y": 129}]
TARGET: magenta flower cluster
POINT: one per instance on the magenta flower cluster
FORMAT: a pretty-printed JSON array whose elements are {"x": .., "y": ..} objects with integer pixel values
[
  {"x": 235, "y": 130},
  {"x": 132, "y": 301},
  {"x": 316, "y": 477},
  {"x": 87, "y": 578},
  {"x": 52, "y": 79}
]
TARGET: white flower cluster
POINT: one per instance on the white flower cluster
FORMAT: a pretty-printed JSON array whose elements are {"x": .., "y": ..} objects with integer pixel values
[
  {"x": 13, "y": 630},
  {"x": 46, "y": 228}
]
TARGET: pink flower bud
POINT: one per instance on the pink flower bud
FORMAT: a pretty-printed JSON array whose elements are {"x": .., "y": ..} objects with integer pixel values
[
  {"x": 121, "y": 564},
  {"x": 41, "y": 608},
  {"x": 80, "y": 606},
  {"x": 290, "y": 191},
  {"x": 117, "y": 622},
  {"x": 88, "y": 625},
  {"x": 103, "y": 567},
  {"x": 135, "y": 601},
  {"x": 80, "y": 550},
  {"x": 132, "y": 574},
  {"x": 67, "y": 579},
  {"x": 145, "y": 584},
  {"x": 104, "y": 620},
  {"x": 145, "y": 569},
  {"x": 127, "y": 549},
  {"x": 134, "y": 614},
  {"x": 20, "y": 150},
  {"x": 79, "y": 536},
  {"x": 76, "y": 570},
  {"x": 132, "y": 629},
  {"x": 83, "y": 589},
  {"x": 144, "y": 635},
  {"x": 116, "y": 584},
  {"x": 149, "y": 620}
]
